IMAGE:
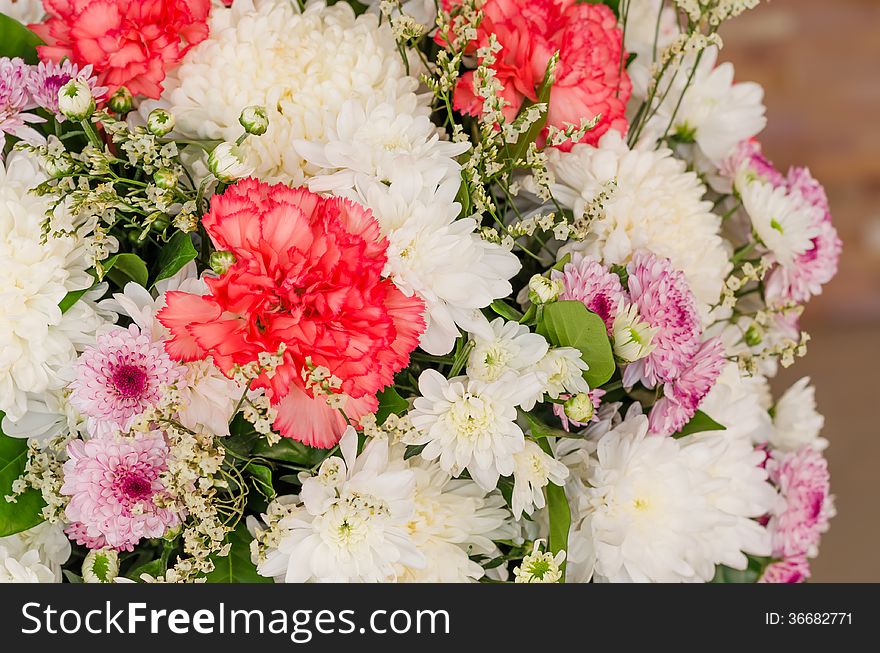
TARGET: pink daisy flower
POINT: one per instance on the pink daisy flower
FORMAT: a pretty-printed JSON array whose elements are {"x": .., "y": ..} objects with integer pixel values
[
  {"x": 114, "y": 484},
  {"x": 683, "y": 396},
  {"x": 805, "y": 507},
  {"x": 119, "y": 378},
  {"x": 15, "y": 101},
  {"x": 48, "y": 77},
  {"x": 790, "y": 570},
  {"x": 750, "y": 154},
  {"x": 665, "y": 302},
  {"x": 587, "y": 281}
]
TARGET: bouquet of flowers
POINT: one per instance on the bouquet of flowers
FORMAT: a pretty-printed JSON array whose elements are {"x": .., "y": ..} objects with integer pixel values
[{"x": 477, "y": 290}]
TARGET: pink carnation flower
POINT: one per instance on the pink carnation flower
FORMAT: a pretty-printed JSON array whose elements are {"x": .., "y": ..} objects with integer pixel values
[
  {"x": 119, "y": 378},
  {"x": 589, "y": 78},
  {"x": 683, "y": 396},
  {"x": 805, "y": 507},
  {"x": 115, "y": 490},
  {"x": 665, "y": 302},
  {"x": 130, "y": 44},
  {"x": 814, "y": 268},
  {"x": 790, "y": 570},
  {"x": 48, "y": 77},
  {"x": 587, "y": 281}
]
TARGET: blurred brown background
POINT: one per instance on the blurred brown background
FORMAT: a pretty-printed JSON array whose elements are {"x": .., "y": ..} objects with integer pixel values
[{"x": 819, "y": 63}]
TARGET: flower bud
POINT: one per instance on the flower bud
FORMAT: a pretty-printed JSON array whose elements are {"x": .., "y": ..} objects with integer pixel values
[
  {"x": 121, "y": 101},
  {"x": 58, "y": 166},
  {"x": 254, "y": 120},
  {"x": 100, "y": 566},
  {"x": 165, "y": 178},
  {"x": 160, "y": 122},
  {"x": 579, "y": 408},
  {"x": 543, "y": 290},
  {"x": 632, "y": 338},
  {"x": 221, "y": 261},
  {"x": 754, "y": 335},
  {"x": 75, "y": 100},
  {"x": 225, "y": 163},
  {"x": 159, "y": 222}
]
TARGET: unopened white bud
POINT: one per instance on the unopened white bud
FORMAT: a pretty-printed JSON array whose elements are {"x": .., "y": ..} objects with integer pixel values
[
  {"x": 579, "y": 408},
  {"x": 254, "y": 120},
  {"x": 543, "y": 290},
  {"x": 75, "y": 100},
  {"x": 100, "y": 566},
  {"x": 160, "y": 122},
  {"x": 226, "y": 164},
  {"x": 632, "y": 338}
]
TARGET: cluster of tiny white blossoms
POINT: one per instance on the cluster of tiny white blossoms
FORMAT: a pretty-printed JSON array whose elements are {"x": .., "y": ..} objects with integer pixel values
[{"x": 382, "y": 292}]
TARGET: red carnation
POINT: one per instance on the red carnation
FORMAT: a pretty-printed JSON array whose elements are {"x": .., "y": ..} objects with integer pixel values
[
  {"x": 307, "y": 276},
  {"x": 590, "y": 79},
  {"x": 128, "y": 43}
]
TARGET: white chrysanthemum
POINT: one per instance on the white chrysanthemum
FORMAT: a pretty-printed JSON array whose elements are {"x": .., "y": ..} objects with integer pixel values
[
  {"x": 379, "y": 144},
  {"x": 642, "y": 515},
  {"x": 562, "y": 369},
  {"x": 37, "y": 341},
  {"x": 512, "y": 348},
  {"x": 740, "y": 403},
  {"x": 24, "y": 11},
  {"x": 740, "y": 494},
  {"x": 796, "y": 422},
  {"x": 208, "y": 398},
  {"x": 437, "y": 257},
  {"x": 453, "y": 520},
  {"x": 301, "y": 66},
  {"x": 785, "y": 224},
  {"x": 470, "y": 424},
  {"x": 34, "y": 555},
  {"x": 349, "y": 522},
  {"x": 715, "y": 113},
  {"x": 533, "y": 470},
  {"x": 656, "y": 205}
]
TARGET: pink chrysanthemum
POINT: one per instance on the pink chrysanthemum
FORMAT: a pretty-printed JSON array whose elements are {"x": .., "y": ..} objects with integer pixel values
[
  {"x": 797, "y": 283},
  {"x": 114, "y": 488},
  {"x": 790, "y": 570},
  {"x": 749, "y": 153},
  {"x": 15, "y": 100},
  {"x": 595, "y": 394},
  {"x": 665, "y": 302},
  {"x": 587, "y": 281},
  {"x": 805, "y": 507},
  {"x": 48, "y": 77},
  {"x": 683, "y": 396},
  {"x": 119, "y": 378}
]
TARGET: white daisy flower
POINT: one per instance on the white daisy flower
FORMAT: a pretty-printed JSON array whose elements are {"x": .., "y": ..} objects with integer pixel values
[
  {"x": 533, "y": 470},
  {"x": 562, "y": 369},
  {"x": 512, "y": 348},
  {"x": 796, "y": 422}
]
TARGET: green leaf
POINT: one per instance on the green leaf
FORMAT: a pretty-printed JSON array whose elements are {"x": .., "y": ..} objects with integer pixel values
[
  {"x": 16, "y": 40},
  {"x": 71, "y": 577},
  {"x": 571, "y": 324},
  {"x": 261, "y": 477},
  {"x": 26, "y": 512},
  {"x": 699, "y": 423},
  {"x": 176, "y": 253},
  {"x": 237, "y": 566},
  {"x": 540, "y": 430},
  {"x": 506, "y": 311},
  {"x": 290, "y": 451},
  {"x": 390, "y": 401},
  {"x": 559, "y": 513},
  {"x": 751, "y": 574},
  {"x": 154, "y": 568},
  {"x": 71, "y": 298},
  {"x": 126, "y": 267}
]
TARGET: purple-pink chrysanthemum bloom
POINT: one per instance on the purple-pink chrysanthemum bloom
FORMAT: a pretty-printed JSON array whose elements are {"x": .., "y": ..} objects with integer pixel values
[
  {"x": 595, "y": 394},
  {"x": 114, "y": 487},
  {"x": 817, "y": 266},
  {"x": 587, "y": 281},
  {"x": 48, "y": 77},
  {"x": 15, "y": 101},
  {"x": 750, "y": 153},
  {"x": 805, "y": 505},
  {"x": 119, "y": 378},
  {"x": 665, "y": 302},
  {"x": 683, "y": 396},
  {"x": 790, "y": 570}
]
